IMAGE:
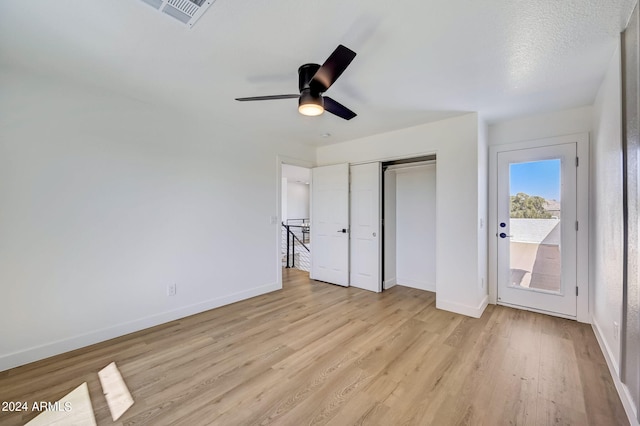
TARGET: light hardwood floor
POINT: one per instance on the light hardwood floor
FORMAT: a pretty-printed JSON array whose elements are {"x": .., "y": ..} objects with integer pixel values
[{"x": 314, "y": 353}]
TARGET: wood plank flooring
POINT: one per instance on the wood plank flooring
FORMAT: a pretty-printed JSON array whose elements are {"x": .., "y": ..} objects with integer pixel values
[{"x": 315, "y": 354}]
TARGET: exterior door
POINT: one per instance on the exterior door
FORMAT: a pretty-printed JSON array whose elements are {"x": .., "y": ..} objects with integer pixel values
[
  {"x": 366, "y": 226},
  {"x": 537, "y": 228},
  {"x": 330, "y": 224}
]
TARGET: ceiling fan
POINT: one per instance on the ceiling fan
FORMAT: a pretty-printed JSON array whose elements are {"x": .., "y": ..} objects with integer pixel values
[{"x": 313, "y": 81}]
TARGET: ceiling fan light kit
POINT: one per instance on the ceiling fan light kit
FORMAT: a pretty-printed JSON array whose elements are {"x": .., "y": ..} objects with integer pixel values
[
  {"x": 310, "y": 104},
  {"x": 313, "y": 81}
]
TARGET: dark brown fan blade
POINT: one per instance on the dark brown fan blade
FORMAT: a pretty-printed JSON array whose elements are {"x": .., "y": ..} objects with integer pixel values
[
  {"x": 332, "y": 68},
  {"x": 338, "y": 109},
  {"x": 268, "y": 98}
]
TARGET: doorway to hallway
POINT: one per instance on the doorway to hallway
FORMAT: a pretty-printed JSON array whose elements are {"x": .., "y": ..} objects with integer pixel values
[{"x": 295, "y": 213}]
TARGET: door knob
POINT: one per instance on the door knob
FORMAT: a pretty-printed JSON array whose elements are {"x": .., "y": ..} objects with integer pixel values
[{"x": 374, "y": 234}]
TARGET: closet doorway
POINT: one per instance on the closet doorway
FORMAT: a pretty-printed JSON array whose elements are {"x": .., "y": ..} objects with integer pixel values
[{"x": 409, "y": 223}]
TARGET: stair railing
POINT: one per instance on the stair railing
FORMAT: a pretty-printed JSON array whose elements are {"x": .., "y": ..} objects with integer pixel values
[{"x": 291, "y": 243}]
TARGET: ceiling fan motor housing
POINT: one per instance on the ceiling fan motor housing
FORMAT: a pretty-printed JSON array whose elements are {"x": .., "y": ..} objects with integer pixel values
[{"x": 305, "y": 74}]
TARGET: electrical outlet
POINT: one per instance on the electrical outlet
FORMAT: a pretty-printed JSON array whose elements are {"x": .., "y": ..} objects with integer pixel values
[
  {"x": 616, "y": 330},
  {"x": 171, "y": 289}
]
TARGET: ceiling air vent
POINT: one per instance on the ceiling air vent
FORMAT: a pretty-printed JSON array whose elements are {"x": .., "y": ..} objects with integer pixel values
[{"x": 185, "y": 11}]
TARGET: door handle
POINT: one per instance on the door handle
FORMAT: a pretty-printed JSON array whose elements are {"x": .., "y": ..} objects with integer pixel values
[
  {"x": 343, "y": 230},
  {"x": 503, "y": 235}
]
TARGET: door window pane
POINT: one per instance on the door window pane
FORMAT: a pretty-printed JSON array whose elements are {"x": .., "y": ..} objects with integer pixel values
[{"x": 534, "y": 225}]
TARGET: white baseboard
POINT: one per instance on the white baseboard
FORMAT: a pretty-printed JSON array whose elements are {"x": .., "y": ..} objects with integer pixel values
[
  {"x": 606, "y": 350},
  {"x": 623, "y": 391},
  {"x": 470, "y": 311},
  {"x": 37, "y": 353},
  {"x": 420, "y": 285},
  {"x": 387, "y": 284}
]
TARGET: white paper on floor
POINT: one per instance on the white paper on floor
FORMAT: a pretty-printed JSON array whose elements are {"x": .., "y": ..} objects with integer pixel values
[
  {"x": 115, "y": 391},
  {"x": 73, "y": 409}
]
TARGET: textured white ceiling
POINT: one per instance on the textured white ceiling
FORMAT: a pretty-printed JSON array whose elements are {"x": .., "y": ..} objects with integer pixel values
[{"x": 418, "y": 61}]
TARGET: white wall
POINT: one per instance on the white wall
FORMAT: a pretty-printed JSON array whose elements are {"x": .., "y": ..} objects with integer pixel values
[
  {"x": 105, "y": 201},
  {"x": 557, "y": 123},
  {"x": 606, "y": 210},
  {"x": 455, "y": 142},
  {"x": 416, "y": 227},
  {"x": 390, "y": 270},
  {"x": 297, "y": 200}
]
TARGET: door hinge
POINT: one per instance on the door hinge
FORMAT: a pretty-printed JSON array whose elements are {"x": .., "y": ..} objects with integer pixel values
[
  {"x": 577, "y": 161},
  {"x": 577, "y": 226},
  {"x": 576, "y": 290}
]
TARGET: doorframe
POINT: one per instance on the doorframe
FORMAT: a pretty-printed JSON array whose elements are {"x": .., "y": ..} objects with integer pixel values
[
  {"x": 425, "y": 160},
  {"x": 280, "y": 160},
  {"x": 401, "y": 159},
  {"x": 404, "y": 157},
  {"x": 582, "y": 199}
]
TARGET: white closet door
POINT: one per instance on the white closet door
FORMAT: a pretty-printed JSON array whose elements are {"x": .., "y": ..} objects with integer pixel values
[
  {"x": 366, "y": 180},
  {"x": 330, "y": 224}
]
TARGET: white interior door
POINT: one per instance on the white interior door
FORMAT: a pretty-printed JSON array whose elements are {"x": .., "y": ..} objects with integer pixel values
[
  {"x": 366, "y": 238},
  {"x": 330, "y": 224},
  {"x": 537, "y": 228}
]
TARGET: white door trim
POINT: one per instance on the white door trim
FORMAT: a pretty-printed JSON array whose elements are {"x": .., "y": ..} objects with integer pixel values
[{"x": 582, "y": 142}]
